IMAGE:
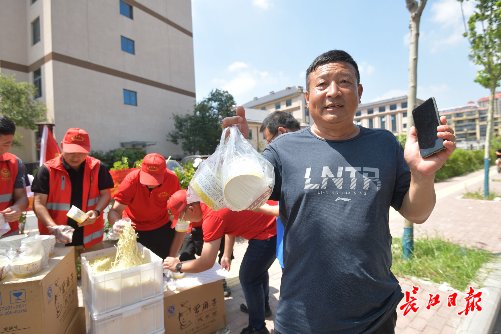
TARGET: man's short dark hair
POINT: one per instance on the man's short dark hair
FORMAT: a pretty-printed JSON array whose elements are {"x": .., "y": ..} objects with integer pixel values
[
  {"x": 7, "y": 127},
  {"x": 279, "y": 119},
  {"x": 333, "y": 56}
]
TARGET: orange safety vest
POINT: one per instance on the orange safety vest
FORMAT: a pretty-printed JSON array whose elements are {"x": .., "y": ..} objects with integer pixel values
[
  {"x": 59, "y": 198},
  {"x": 8, "y": 174}
]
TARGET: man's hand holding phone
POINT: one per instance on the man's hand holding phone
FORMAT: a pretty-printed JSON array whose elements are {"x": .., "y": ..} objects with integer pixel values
[{"x": 439, "y": 139}]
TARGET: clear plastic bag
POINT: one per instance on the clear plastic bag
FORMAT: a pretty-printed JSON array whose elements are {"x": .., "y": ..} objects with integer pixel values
[
  {"x": 235, "y": 176},
  {"x": 4, "y": 226},
  {"x": 29, "y": 261}
]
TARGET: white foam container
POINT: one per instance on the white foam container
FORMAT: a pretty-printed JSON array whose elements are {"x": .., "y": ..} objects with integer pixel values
[
  {"x": 145, "y": 317},
  {"x": 108, "y": 291}
]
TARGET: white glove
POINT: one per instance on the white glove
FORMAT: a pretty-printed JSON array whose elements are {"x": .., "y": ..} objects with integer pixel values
[
  {"x": 119, "y": 225},
  {"x": 63, "y": 233}
]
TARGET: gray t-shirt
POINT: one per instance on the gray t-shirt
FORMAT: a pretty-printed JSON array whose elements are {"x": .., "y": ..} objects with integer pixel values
[{"x": 335, "y": 198}]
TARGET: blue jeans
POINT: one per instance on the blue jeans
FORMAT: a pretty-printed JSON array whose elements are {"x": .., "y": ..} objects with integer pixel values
[{"x": 254, "y": 278}]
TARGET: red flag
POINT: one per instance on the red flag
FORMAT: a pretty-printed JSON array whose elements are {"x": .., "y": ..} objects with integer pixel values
[{"x": 48, "y": 146}]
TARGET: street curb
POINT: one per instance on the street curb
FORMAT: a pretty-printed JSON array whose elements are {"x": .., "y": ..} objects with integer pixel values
[{"x": 482, "y": 322}]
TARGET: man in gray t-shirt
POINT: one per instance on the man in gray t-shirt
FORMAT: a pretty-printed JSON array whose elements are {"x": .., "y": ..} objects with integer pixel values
[{"x": 336, "y": 182}]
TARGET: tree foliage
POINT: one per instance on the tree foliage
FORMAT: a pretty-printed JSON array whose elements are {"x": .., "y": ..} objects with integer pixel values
[
  {"x": 199, "y": 133},
  {"x": 484, "y": 35},
  {"x": 18, "y": 104}
]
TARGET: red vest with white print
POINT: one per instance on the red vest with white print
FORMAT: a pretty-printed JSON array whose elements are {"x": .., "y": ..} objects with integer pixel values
[
  {"x": 8, "y": 174},
  {"x": 59, "y": 198}
]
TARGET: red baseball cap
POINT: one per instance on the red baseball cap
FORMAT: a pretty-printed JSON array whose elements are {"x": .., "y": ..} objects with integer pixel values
[
  {"x": 176, "y": 204},
  {"x": 76, "y": 140},
  {"x": 152, "y": 170}
]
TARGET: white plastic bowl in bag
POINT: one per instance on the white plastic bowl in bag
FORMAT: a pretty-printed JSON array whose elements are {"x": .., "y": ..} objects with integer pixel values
[{"x": 235, "y": 176}]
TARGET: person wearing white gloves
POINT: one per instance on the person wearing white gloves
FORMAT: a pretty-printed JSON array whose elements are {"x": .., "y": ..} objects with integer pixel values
[
  {"x": 142, "y": 197},
  {"x": 73, "y": 178}
]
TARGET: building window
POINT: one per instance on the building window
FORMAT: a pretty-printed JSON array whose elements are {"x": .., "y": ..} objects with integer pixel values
[
  {"x": 370, "y": 111},
  {"x": 358, "y": 114},
  {"x": 393, "y": 107},
  {"x": 35, "y": 31},
  {"x": 126, "y": 9},
  {"x": 382, "y": 109},
  {"x": 393, "y": 123},
  {"x": 288, "y": 102},
  {"x": 404, "y": 114},
  {"x": 128, "y": 45},
  {"x": 404, "y": 105},
  {"x": 371, "y": 122},
  {"x": 130, "y": 97},
  {"x": 37, "y": 82},
  {"x": 382, "y": 122},
  {"x": 277, "y": 106},
  {"x": 250, "y": 134}
]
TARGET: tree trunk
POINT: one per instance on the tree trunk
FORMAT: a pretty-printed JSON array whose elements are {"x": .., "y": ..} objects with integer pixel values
[
  {"x": 488, "y": 135},
  {"x": 415, "y": 9}
]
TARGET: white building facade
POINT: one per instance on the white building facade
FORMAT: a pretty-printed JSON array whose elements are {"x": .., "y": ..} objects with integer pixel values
[{"x": 119, "y": 69}]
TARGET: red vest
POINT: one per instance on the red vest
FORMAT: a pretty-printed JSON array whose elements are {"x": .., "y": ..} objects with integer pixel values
[
  {"x": 59, "y": 199},
  {"x": 8, "y": 174}
]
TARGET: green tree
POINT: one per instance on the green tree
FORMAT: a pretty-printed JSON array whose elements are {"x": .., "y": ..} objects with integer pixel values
[
  {"x": 484, "y": 34},
  {"x": 18, "y": 104},
  {"x": 199, "y": 133},
  {"x": 415, "y": 9}
]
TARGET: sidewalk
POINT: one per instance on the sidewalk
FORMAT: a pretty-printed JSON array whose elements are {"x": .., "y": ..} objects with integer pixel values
[{"x": 472, "y": 223}]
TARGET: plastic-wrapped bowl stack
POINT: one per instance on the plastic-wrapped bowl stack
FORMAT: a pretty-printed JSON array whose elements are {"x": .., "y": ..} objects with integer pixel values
[
  {"x": 4, "y": 266},
  {"x": 25, "y": 266}
]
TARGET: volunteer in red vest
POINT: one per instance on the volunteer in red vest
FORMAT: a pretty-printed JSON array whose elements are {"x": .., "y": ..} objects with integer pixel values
[
  {"x": 256, "y": 227},
  {"x": 13, "y": 199},
  {"x": 73, "y": 178},
  {"x": 142, "y": 197}
]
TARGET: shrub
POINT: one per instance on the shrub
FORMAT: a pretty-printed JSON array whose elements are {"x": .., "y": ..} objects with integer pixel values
[
  {"x": 110, "y": 157},
  {"x": 185, "y": 174}
]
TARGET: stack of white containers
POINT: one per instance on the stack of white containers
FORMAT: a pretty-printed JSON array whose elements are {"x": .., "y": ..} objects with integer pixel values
[{"x": 124, "y": 301}]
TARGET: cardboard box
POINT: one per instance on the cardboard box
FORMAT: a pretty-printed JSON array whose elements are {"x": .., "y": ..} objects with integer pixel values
[
  {"x": 77, "y": 324},
  {"x": 196, "y": 310},
  {"x": 44, "y": 303}
]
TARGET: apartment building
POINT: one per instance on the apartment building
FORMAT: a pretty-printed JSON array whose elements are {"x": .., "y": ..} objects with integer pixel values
[
  {"x": 290, "y": 99},
  {"x": 470, "y": 121},
  {"x": 118, "y": 68},
  {"x": 390, "y": 114}
]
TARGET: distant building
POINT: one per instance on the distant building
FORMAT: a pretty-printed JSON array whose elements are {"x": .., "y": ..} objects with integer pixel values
[
  {"x": 290, "y": 99},
  {"x": 470, "y": 122},
  {"x": 390, "y": 114},
  {"x": 255, "y": 119},
  {"x": 119, "y": 69}
]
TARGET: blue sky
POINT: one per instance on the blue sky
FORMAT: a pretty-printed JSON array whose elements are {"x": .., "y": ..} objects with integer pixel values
[{"x": 252, "y": 47}]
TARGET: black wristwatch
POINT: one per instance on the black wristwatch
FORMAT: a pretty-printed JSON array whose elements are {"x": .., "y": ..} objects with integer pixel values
[
  {"x": 178, "y": 267},
  {"x": 98, "y": 212}
]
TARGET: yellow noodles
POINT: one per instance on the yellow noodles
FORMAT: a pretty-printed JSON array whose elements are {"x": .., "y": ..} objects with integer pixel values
[{"x": 127, "y": 255}]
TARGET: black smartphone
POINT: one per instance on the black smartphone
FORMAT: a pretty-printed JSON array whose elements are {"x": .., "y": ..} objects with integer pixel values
[{"x": 426, "y": 120}]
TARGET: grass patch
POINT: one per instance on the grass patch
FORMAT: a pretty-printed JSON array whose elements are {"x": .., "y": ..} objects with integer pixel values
[
  {"x": 440, "y": 261},
  {"x": 480, "y": 195}
]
